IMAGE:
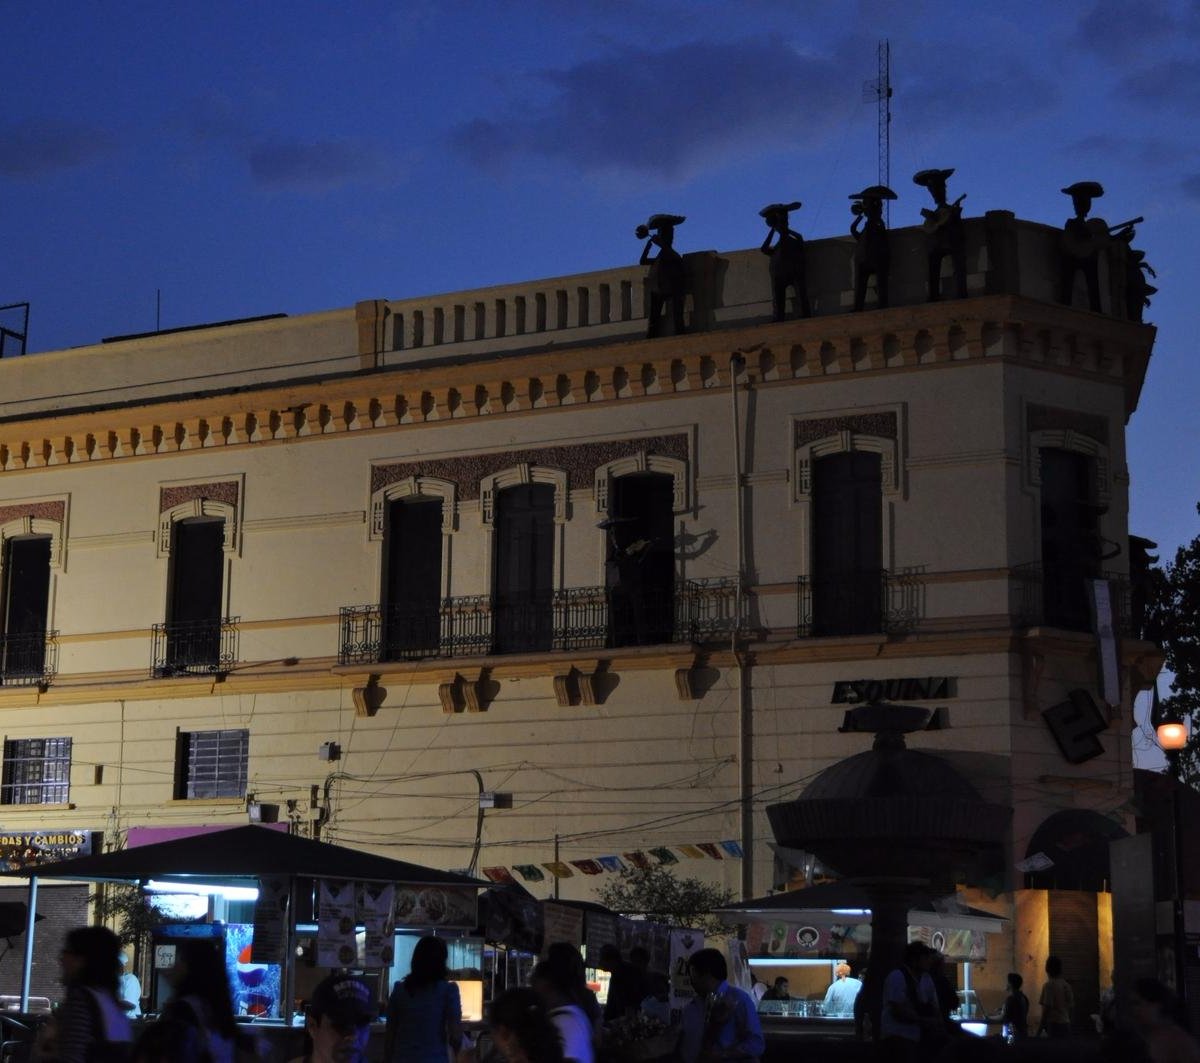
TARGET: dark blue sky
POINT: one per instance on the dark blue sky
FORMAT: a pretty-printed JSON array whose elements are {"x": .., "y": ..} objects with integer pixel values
[{"x": 251, "y": 158}]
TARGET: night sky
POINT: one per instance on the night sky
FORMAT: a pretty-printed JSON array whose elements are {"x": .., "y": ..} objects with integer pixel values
[{"x": 254, "y": 158}]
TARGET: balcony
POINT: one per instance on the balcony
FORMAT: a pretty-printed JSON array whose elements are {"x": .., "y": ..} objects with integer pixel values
[
  {"x": 194, "y": 647},
  {"x": 863, "y": 603},
  {"x": 28, "y": 659},
  {"x": 1059, "y": 597},
  {"x": 575, "y": 618}
]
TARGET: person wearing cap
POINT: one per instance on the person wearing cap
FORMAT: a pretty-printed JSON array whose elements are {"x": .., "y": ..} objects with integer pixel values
[
  {"x": 787, "y": 259},
  {"x": 909, "y": 1014},
  {"x": 872, "y": 254},
  {"x": 943, "y": 233},
  {"x": 665, "y": 280},
  {"x": 129, "y": 989},
  {"x": 1082, "y": 241},
  {"x": 338, "y": 1021}
]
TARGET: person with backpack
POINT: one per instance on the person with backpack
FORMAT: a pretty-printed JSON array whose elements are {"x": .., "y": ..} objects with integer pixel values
[{"x": 91, "y": 1026}]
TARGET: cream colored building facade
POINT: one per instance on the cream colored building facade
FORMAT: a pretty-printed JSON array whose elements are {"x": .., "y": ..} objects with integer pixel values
[{"x": 298, "y": 437}]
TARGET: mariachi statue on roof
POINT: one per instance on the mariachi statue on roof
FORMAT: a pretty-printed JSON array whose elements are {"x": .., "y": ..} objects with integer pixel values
[
  {"x": 785, "y": 247},
  {"x": 666, "y": 282},
  {"x": 1084, "y": 240},
  {"x": 872, "y": 254},
  {"x": 944, "y": 233}
]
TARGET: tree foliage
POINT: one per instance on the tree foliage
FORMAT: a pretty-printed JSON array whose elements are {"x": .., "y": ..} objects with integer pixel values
[
  {"x": 1173, "y": 621},
  {"x": 126, "y": 909},
  {"x": 658, "y": 893}
]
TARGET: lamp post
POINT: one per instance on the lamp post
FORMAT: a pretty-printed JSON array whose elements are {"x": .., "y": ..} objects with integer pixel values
[{"x": 1172, "y": 734}]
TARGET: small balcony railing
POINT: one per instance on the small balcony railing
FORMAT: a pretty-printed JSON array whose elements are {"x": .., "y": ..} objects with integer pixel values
[
  {"x": 195, "y": 647},
  {"x": 575, "y": 618},
  {"x": 1059, "y": 596},
  {"x": 29, "y": 659},
  {"x": 875, "y": 602}
]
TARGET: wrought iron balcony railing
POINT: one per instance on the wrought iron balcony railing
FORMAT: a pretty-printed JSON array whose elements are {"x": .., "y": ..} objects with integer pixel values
[
  {"x": 1059, "y": 596},
  {"x": 28, "y": 659},
  {"x": 194, "y": 647},
  {"x": 875, "y": 602},
  {"x": 574, "y": 618}
]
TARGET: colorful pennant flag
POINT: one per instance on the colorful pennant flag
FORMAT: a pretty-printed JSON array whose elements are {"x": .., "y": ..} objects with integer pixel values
[
  {"x": 639, "y": 859},
  {"x": 732, "y": 849},
  {"x": 710, "y": 849},
  {"x": 611, "y": 863},
  {"x": 588, "y": 867},
  {"x": 558, "y": 869},
  {"x": 529, "y": 872},
  {"x": 499, "y": 874},
  {"x": 664, "y": 855},
  {"x": 692, "y": 851}
]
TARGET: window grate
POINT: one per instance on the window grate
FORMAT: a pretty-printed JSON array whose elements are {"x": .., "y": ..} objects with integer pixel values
[
  {"x": 212, "y": 764},
  {"x": 37, "y": 771}
]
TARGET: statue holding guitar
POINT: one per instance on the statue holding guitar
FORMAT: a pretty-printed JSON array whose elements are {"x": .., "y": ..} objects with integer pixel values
[
  {"x": 944, "y": 233},
  {"x": 1082, "y": 241}
]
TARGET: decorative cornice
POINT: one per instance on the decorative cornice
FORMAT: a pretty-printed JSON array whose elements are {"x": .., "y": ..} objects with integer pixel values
[{"x": 968, "y": 332}]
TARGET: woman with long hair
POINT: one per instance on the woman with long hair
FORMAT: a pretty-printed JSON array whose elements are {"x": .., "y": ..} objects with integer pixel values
[
  {"x": 91, "y": 1024},
  {"x": 555, "y": 987},
  {"x": 521, "y": 1029},
  {"x": 424, "y": 1012},
  {"x": 202, "y": 1002}
]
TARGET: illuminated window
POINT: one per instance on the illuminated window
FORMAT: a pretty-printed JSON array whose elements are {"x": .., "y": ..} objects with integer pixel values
[
  {"x": 37, "y": 771},
  {"x": 211, "y": 764}
]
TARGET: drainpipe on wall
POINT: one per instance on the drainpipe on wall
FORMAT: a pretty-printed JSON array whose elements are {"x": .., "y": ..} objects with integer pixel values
[{"x": 745, "y": 724}]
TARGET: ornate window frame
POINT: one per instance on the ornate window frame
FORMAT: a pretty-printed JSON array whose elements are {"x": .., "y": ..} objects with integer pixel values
[
  {"x": 890, "y": 450},
  {"x": 1077, "y": 443},
  {"x": 524, "y": 473},
  {"x": 23, "y": 526},
  {"x": 199, "y": 507},
  {"x": 410, "y": 487},
  {"x": 643, "y": 462}
]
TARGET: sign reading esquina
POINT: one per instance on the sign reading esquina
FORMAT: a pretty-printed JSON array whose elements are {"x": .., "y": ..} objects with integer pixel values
[{"x": 854, "y": 691}]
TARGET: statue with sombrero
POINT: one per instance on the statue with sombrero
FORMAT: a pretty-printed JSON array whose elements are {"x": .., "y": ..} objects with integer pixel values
[
  {"x": 944, "y": 234},
  {"x": 666, "y": 282},
  {"x": 1082, "y": 242},
  {"x": 872, "y": 255},
  {"x": 785, "y": 247}
]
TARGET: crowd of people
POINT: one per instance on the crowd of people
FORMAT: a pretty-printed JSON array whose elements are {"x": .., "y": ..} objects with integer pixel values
[{"x": 557, "y": 1018}]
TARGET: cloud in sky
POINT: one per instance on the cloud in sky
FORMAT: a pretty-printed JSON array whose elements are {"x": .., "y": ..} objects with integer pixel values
[
  {"x": 1120, "y": 30},
  {"x": 35, "y": 149},
  {"x": 1172, "y": 82},
  {"x": 1191, "y": 187},
  {"x": 671, "y": 111}
]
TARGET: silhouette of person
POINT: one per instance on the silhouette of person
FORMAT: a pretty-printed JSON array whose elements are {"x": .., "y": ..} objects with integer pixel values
[
  {"x": 1082, "y": 241},
  {"x": 665, "y": 280},
  {"x": 872, "y": 255},
  {"x": 1137, "y": 288},
  {"x": 787, "y": 259},
  {"x": 944, "y": 233}
]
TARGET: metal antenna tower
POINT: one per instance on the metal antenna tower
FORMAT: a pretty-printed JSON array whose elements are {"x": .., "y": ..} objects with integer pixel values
[{"x": 879, "y": 89}]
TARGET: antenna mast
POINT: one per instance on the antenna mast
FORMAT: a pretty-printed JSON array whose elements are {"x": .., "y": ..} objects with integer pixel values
[{"x": 879, "y": 89}]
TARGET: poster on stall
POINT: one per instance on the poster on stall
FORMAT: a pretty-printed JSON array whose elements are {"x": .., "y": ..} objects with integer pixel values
[
  {"x": 335, "y": 925},
  {"x": 561, "y": 923},
  {"x": 255, "y": 987},
  {"x": 376, "y": 903},
  {"x": 270, "y": 920},
  {"x": 956, "y": 945},
  {"x": 683, "y": 943},
  {"x": 600, "y": 929},
  {"x": 739, "y": 964},
  {"x": 440, "y": 907},
  {"x": 808, "y": 940}
]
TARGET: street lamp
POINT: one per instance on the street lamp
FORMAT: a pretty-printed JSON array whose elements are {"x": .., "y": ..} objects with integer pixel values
[{"x": 1172, "y": 734}]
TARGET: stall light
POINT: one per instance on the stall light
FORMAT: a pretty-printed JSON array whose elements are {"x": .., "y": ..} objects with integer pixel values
[
  {"x": 207, "y": 889},
  {"x": 851, "y": 911}
]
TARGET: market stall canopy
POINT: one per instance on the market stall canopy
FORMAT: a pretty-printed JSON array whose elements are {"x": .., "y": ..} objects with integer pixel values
[
  {"x": 845, "y": 902},
  {"x": 243, "y": 852}
]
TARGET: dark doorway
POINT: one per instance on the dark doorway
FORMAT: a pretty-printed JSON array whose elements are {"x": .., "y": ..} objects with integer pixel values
[
  {"x": 847, "y": 562},
  {"x": 1070, "y": 539},
  {"x": 524, "y": 569},
  {"x": 196, "y": 594},
  {"x": 640, "y": 572},
  {"x": 412, "y": 579},
  {"x": 26, "y": 606}
]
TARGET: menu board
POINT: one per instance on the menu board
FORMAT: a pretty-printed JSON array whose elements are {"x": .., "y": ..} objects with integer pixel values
[
  {"x": 376, "y": 906},
  {"x": 335, "y": 925},
  {"x": 437, "y": 906},
  {"x": 561, "y": 923}
]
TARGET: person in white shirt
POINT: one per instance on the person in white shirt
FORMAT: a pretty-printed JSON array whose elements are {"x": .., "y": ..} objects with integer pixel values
[
  {"x": 570, "y": 1020},
  {"x": 840, "y": 996},
  {"x": 129, "y": 989}
]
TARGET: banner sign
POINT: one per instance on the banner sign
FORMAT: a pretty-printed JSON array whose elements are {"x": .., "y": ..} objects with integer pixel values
[
  {"x": 376, "y": 906},
  {"x": 560, "y": 922},
  {"x": 270, "y": 920},
  {"x": 336, "y": 945},
  {"x": 437, "y": 906},
  {"x": 33, "y": 848},
  {"x": 807, "y": 940}
]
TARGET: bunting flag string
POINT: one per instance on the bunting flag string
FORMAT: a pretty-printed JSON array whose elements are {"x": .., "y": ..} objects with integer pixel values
[{"x": 643, "y": 859}]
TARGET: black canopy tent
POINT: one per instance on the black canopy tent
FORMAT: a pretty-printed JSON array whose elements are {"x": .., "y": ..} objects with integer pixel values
[{"x": 247, "y": 852}]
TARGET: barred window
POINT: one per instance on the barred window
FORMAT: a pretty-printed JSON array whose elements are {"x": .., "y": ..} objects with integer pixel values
[
  {"x": 211, "y": 764},
  {"x": 37, "y": 771}
]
